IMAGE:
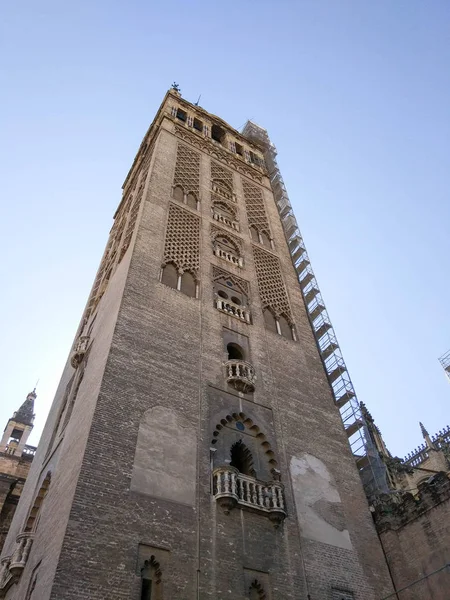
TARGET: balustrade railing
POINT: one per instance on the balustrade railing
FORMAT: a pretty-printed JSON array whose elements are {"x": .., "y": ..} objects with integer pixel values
[
  {"x": 29, "y": 450},
  {"x": 231, "y": 488},
  {"x": 241, "y": 375},
  {"x": 79, "y": 351},
  {"x": 225, "y": 220},
  {"x": 12, "y": 566},
  {"x": 221, "y": 192},
  {"x": 235, "y": 310},
  {"x": 229, "y": 256}
]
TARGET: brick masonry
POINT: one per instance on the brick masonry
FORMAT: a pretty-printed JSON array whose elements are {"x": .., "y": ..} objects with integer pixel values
[{"x": 155, "y": 369}]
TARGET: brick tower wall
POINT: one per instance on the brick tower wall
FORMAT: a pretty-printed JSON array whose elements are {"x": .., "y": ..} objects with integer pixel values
[{"x": 154, "y": 415}]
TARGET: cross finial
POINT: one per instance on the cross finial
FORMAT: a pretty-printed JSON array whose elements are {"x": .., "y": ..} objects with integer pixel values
[{"x": 176, "y": 87}]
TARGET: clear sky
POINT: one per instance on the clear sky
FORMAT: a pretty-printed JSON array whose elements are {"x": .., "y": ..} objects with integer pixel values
[{"x": 356, "y": 97}]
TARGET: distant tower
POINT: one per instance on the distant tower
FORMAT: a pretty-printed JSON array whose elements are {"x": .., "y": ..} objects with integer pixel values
[
  {"x": 194, "y": 449},
  {"x": 445, "y": 362},
  {"x": 15, "y": 461}
]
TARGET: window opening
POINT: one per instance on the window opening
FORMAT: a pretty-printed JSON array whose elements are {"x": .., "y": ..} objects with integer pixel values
[
  {"x": 146, "y": 590},
  {"x": 265, "y": 239},
  {"x": 170, "y": 276},
  {"x": 178, "y": 193},
  {"x": 37, "y": 505},
  {"x": 181, "y": 115},
  {"x": 235, "y": 352},
  {"x": 285, "y": 328},
  {"x": 222, "y": 294},
  {"x": 239, "y": 149},
  {"x": 217, "y": 134},
  {"x": 188, "y": 285},
  {"x": 198, "y": 125},
  {"x": 236, "y": 300},
  {"x": 191, "y": 201},
  {"x": 242, "y": 459},
  {"x": 254, "y": 234},
  {"x": 270, "y": 320}
]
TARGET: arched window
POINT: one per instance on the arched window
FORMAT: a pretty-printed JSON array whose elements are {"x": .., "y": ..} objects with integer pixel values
[
  {"x": 285, "y": 328},
  {"x": 191, "y": 200},
  {"x": 170, "y": 276},
  {"x": 265, "y": 239},
  {"x": 242, "y": 459},
  {"x": 256, "y": 591},
  {"x": 188, "y": 285},
  {"x": 254, "y": 234},
  {"x": 270, "y": 320},
  {"x": 151, "y": 576},
  {"x": 33, "y": 515},
  {"x": 235, "y": 352},
  {"x": 178, "y": 193}
]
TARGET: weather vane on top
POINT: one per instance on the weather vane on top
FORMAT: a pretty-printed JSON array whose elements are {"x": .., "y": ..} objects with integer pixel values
[{"x": 176, "y": 87}]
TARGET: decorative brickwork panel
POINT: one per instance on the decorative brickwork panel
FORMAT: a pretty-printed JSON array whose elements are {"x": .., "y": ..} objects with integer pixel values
[
  {"x": 187, "y": 170},
  {"x": 270, "y": 283},
  {"x": 182, "y": 246},
  {"x": 219, "y": 174},
  {"x": 221, "y": 274},
  {"x": 256, "y": 211}
]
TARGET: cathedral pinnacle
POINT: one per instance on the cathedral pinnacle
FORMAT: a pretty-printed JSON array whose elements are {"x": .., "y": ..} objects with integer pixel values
[{"x": 426, "y": 435}]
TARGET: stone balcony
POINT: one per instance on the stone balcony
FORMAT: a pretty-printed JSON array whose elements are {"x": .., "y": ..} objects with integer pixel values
[
  {"x": 79, "y": 351},
  {"x": 225, "y": 220},
  {"x": 235, "y": 260},
  {"x": 241, "y": 375},
  {"x": 235, "y": 310},
  {"x": 12, "y": 566},
  {"x": 231, "y": 488}
]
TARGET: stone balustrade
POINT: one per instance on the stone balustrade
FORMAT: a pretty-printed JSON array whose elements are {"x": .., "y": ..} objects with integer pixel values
[
  {"x": 19, "y": 557},
  {"x": 225, "y": 194},
  {"x": 225, "y": 220},
  {"x": 241, "y": 375},
  {"x": 230, "y": 257},
  {"x": 29, "y": 450},
  {"x": 235, "y": 310},
  {"x": 5, "y": 573},
  {"x": 231, "y": 488},
  {"x": 11, "y": 567}
]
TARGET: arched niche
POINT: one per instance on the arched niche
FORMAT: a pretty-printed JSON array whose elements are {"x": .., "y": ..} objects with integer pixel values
[{"x": 235, "y": 428}]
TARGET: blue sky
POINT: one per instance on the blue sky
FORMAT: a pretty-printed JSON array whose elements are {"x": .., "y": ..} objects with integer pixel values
[{"x": 354, "y": 94}]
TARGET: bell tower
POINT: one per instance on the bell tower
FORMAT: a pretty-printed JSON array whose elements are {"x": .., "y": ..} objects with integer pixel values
[{"x": 194, "y": 449}]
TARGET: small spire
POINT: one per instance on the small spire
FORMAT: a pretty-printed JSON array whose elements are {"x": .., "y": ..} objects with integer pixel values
[
  {"x": 25, "y": 414},
  {"x": 426, "y": 436}
]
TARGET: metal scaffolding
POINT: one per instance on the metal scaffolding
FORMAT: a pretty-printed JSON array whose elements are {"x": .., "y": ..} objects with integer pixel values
[
  {"x": 371, "y": 467},
  {"x": 445, "y": 362}
]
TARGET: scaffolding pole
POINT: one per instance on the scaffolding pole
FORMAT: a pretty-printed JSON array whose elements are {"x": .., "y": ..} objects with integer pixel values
[
  {"x": 370, "y": 465},
  {"x": 445, "y": 362}
]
